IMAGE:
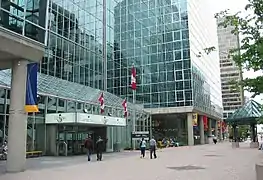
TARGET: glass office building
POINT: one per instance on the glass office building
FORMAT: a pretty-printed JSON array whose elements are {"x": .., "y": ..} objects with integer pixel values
[
  {"x": 89, "y": 42},
  {"x": 72, "y": 75},
  {"x": 157, "y": 36},
  {"x": 165, "y": 40}
]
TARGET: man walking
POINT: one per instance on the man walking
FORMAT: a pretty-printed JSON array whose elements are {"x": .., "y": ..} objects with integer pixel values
[
  {"x": 99, "y": 148},
  {"x": 153, "y": 145},
  {"x": 89, "y": 146},
  {"x": 143, "y": 147}
]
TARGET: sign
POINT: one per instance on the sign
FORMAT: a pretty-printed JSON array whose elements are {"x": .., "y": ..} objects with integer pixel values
[
  {"x": 195, "y": 118},
  {"x": 84, "y": 118},
  {"x": 60, "y": 118},
  {"x": 138, "y": 135}
]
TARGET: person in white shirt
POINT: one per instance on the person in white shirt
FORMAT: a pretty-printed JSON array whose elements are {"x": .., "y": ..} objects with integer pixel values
[{"x": 143, "y": 147}]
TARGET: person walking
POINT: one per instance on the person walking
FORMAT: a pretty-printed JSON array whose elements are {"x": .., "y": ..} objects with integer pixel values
[
  {"x": 215, "y": 139},
  {"x": 143, "y": 147},
  {"x": 89, "y": 146},
  {"x": 153, "y": 145},
  {"x": 99, "y": 148}
]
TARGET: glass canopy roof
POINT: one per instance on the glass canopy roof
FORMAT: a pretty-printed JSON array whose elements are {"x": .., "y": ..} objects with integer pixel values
[
  {"x": 49, "y": 85},
  {"x": 250, "y": 111}
]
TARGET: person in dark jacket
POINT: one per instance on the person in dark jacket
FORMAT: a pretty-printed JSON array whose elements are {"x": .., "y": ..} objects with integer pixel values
[
  {"x": 153, "y": 146},
  {"x": 99, "y": 148},
  {"x": 89, "y": 146}
]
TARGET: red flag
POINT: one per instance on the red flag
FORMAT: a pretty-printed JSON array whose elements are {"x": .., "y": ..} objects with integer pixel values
[
  {"x": 101, "y": 100},
  {"x": 205, "y": 122},
  {"x": 124, "y": 105},
  {"x": 133, "y": 78}
]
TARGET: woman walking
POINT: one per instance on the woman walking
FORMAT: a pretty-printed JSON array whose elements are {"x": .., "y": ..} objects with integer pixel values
[{"x": 143, "y": 147}]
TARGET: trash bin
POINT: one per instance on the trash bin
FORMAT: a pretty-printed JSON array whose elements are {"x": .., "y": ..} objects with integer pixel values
[{"x": 117, "y": 147}]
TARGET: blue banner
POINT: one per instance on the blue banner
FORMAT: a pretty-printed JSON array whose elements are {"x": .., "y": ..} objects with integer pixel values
[{"x": 31, "y": 88}]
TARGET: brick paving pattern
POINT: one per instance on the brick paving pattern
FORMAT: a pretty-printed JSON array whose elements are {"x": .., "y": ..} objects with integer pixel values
[{"x": 206, "y": 162}]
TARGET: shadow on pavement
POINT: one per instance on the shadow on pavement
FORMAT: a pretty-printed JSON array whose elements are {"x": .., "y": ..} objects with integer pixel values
[{"x": 49, "y": 162}]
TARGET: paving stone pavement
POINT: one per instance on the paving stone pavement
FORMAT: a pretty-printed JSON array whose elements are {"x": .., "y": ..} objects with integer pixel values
[{"x": 206, "y": 162}]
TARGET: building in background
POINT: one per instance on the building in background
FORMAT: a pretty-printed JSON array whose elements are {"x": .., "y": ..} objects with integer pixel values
[
  {"x": 175, "y": 78},
  {"x": 233, "y": 98}
]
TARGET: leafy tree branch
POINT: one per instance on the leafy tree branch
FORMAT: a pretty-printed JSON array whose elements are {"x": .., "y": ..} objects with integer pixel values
[{"x": 250, "y": 53}]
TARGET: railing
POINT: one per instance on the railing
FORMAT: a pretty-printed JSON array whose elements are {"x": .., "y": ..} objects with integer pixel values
[{"x": 65, "y": 148}]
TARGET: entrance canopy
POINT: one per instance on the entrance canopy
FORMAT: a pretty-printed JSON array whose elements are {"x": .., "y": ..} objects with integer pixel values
[
  {"x": 84, "y": 118},
  {"x": 52, "y": 86},
  {"x": 247, "y": 114}
]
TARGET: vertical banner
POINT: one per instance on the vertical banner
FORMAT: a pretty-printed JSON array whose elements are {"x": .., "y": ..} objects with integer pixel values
[
  {"x": 31, "y": 88},
  {"x": 133, "y": 78},
  {"x": 205, "y": 120},
  {"x": 124, "y": 105},
  {"x": 224, "y": 126},
  {"x": 101, "y": 100},
  {"x": 219, "y": 123},
  {"x": 195, "y": 119}
]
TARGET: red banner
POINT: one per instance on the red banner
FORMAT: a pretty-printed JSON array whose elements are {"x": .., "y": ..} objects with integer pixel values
[
  {"x": 224, "y": 125},
  {"x": 205, "y": 120}
]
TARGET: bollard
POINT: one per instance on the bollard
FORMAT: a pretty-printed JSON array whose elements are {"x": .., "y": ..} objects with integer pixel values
[
  {"x": 254, "y": 145},
  {"x": 235, "y": 144},
  {"x": 259, "y": 171}
]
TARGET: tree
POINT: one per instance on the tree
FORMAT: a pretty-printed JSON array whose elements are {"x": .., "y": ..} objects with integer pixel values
[{"x": 250, "y": 53}]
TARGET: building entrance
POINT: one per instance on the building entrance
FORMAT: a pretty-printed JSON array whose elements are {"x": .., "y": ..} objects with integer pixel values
[
  {"x": 66, "y": 132},
  {"x": 70, "y": 139}
]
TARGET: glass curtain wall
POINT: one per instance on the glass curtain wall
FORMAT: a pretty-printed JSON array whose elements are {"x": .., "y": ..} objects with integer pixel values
[
  {"x": 153, "y": 35},
  {"x": 25, "y": 17},
  {"x": 74, "y": 50}
]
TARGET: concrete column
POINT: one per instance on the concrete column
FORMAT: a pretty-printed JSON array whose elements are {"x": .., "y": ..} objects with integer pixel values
[
  {"x": 209, "y": 127},
  {"x": 17, "y": 127},
  {"x": 52, "y": 140},
  {"x": 109, "y": 147},
  {"x": 210, "y": 140},
  {"x": 180, "y": 129},
  {"x": 190, "y": 129},
  {"x": 216, "y": 129},
  {"x": 221, "y": 132},
  {"x": 202, "y": 131}
]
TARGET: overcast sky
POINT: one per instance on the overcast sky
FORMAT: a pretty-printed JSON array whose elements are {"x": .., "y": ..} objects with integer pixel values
[{"x": 235, "y": 6}]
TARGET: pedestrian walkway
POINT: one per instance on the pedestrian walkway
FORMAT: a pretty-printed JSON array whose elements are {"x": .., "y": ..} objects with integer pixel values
[{"x": 206, "y": 162}]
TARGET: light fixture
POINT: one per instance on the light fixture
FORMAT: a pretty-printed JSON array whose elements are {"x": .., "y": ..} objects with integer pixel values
[{"x": 85, "y": 110}]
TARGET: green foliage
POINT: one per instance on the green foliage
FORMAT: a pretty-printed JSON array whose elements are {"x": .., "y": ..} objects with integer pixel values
[
  {"x": 250, "y": 53},
  {"x": 209, "y": 50},
  {"x": 242, "y": 131}
]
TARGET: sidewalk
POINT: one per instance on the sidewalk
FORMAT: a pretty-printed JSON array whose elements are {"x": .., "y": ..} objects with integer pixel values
[{"x": 206, "y": 162}]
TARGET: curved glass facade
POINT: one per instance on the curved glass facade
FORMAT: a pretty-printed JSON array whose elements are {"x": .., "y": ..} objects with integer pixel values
[{"x": 60, "y": 96}]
